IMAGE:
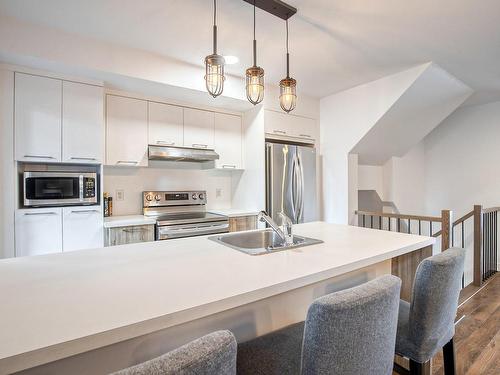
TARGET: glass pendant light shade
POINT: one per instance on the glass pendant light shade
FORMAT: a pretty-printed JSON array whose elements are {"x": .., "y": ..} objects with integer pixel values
[
  {"x": 288, "y": 94},
  {"x": 255, "y": 74},
  {"x": 214, "y": 74},
  {"x": 288, "y": 86},
  {"x": 255, "y": 84},
  {"x": 214, "y": 65}
]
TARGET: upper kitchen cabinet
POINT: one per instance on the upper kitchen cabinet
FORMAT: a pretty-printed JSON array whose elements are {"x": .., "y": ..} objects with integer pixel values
[
  {"x": 126, "y": 131},
  {"x": 38, "y": 107},
  {"x": 286, "y": 125},
  {"x": 228, "y": 142},
  {"x": 83, "y": 123},
  {"x": 198, "y": 128},
  {"x": 165, "y": 125}
]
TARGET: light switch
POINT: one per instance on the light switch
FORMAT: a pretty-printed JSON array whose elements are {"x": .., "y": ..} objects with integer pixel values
[{"x": 120, "y": 195}]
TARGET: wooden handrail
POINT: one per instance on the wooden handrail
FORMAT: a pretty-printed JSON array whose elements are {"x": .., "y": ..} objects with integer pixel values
[
  {"x": 434, "y": 219},
  {"x": 457, "y": 222}
]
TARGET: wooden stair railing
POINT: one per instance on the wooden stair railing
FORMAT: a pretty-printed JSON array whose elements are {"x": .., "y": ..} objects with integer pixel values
[
  {"x": 444, "y": 220},
  {"x": 485, "y": 233}
]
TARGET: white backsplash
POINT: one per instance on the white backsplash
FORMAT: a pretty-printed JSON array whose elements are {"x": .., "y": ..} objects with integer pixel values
[{"x": 165, "y": 176}]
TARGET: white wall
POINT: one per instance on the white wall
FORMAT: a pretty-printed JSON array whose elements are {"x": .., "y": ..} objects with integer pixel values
[
  {"x": 7, "y": 166},
  {"x": 344, "y": 119},
  {"x": 462, "y": 159},
  {"x": 370, "y": 177},
  {"x": 165, "y": 176}
]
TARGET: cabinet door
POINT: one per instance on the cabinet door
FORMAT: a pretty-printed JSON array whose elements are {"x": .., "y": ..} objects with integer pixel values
[
  {"x": 130, "y": 234},
  {"x": 198, "y": 128},
  {"x": 126, "y": 131},
  {"x": 276, "y": 123},
  {"x": 38, "y": 231},
  {"x": 165, "y": 125},
  {"x": 303, "y": 127},
  {"x": 83, "y": 123},
  {"x": 82, "y": 228},
  {"x": 228, "y": 143},
  {"x": 38, "y": 109}
]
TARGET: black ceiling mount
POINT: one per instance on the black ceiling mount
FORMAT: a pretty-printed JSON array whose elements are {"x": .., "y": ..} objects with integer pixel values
[{"x": 275, "y": 7}]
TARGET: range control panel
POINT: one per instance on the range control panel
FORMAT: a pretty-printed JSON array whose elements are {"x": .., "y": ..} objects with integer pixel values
[{"x": 173, "y": 198}]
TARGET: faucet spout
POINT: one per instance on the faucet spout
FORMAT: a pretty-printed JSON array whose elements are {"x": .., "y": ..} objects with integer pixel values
[
  {"x": 265, "y": 218},
  {"x": 285, "y": 232}
]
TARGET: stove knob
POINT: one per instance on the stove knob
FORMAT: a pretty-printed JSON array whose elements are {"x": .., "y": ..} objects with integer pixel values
[
  {"x": 201, "y": 196},
  {"x": 157, "y": 197},
  {"x": 194, "y": 196},
  {"x": 149, "y": 197}
]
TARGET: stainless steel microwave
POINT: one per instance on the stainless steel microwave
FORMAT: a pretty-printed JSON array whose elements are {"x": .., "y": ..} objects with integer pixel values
[{"x": 60, "y": 189}]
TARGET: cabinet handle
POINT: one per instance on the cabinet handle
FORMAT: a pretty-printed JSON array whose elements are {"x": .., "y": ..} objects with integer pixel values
[
  {"x": 39, "y": 156},
  {"x": 229, "y": 166},
  {"x": 279, "y": 131},
  {"x": 165, "y": 143},
  {"x": 134, "y": 230},
  {"x": 200, "y": 145},
  {"x": 305, "y": 135},
  {"x": 75, "y": 158},
  {"x": 84, "y": 211},
  {"x": 127, "y": 162},
  {"x": 39, "y": 213}
]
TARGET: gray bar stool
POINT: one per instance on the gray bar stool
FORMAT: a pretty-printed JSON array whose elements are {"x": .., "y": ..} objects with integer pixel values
[
  {"x": 349, "y": 332},
  {"x": 214, "y": 353},
  {"x": 428, "y": 323}
]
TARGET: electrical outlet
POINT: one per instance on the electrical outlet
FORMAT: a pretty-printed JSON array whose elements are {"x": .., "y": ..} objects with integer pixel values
[
  {"x": 218, "y": 193},
  {"x": 120, "y": 195}
]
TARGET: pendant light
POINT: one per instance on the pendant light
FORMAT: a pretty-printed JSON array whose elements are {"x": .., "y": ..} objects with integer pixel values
[
  {"x": 214, "y": 65},
  {"x": 255, "y": 74},
  {"x": 288, "y": 86}
]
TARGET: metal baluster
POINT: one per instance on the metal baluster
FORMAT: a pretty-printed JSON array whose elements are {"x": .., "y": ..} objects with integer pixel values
[
  {"x": 419, "y": 227},
  {"x": 399, "y": 225},
  {"x": 409, "y": 226},
  {"x": 463, "y": 235},
  {"x": 364, "y": 225},
  {"x": 371, "y": 221},
  {"x": 389, "y": 224},
  {"x": 380, "y": 222},
  {"x": 430, "y": 228}
]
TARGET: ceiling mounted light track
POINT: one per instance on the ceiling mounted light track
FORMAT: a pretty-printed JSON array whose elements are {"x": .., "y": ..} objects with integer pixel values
[
  {"x": 255, "y": 74},
  {"x": 214, "y": 65},
  {"x": 275, "y": 7},
  {"x": 288, "y": 86}
]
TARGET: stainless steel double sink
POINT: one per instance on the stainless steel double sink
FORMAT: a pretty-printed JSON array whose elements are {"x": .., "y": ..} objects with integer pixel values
[{"x": 260, "y": 242}]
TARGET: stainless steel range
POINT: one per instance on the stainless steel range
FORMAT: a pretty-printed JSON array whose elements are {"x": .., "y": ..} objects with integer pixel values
[{"x": 182, "y": 214}]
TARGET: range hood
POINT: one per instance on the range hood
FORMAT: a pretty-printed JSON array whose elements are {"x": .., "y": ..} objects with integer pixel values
[{"x": 181, "y": 153}]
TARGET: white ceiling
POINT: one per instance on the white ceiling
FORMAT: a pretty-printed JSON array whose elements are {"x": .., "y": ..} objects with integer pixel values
[{"x": 335, "y": 44}]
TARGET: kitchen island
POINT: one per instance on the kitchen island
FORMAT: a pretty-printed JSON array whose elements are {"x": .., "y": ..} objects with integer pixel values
[{"x": 95, "y": 311}]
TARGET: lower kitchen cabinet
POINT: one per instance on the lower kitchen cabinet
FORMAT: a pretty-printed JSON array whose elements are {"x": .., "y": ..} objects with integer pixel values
[
  {"x": 38, "y": 231},
  {"x": 82, "y": 228},
  {"x": 241, "y": 223},
  {"x": 130, "y": 234}
]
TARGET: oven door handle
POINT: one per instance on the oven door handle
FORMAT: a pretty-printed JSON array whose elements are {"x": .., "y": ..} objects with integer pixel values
[{"x": 199, "y": 228}]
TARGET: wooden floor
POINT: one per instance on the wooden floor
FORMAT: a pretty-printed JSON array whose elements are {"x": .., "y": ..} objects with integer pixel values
[{"x": 477, "y": 335}]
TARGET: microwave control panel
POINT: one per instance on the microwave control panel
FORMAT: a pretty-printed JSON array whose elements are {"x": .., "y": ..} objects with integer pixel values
[{"x": 89, "y": 187}]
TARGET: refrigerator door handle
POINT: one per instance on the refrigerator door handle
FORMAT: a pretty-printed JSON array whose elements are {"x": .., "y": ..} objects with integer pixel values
[
  {"x": 297, "y": 181},
  {"x": 301, "y": 189},
  {"x": 293, "y": 187},
  {"x": 269, "y": 177}
]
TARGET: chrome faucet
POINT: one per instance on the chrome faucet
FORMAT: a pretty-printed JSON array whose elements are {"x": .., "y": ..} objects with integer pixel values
[{"x": 285, "y": 232}]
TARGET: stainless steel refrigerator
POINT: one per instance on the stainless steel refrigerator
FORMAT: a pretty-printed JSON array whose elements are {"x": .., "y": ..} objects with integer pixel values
[{"x": 291, "y": 182}]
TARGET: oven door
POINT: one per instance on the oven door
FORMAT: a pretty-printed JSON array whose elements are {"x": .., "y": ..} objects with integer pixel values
[
  {"x": 189, "y": 230},
  {"x": 59, "y": 189}
]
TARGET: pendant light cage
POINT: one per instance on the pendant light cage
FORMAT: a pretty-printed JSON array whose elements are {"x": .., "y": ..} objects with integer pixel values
[
  {"x": 214, "y": 65},
  {"x": 255, "y": 74},
  {"x": 288, "y": 85}
]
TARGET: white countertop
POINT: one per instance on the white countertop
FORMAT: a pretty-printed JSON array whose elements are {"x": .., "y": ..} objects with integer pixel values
[
  {"x": 127, "y": 220},
  {"x": 57, "y": 305}
]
